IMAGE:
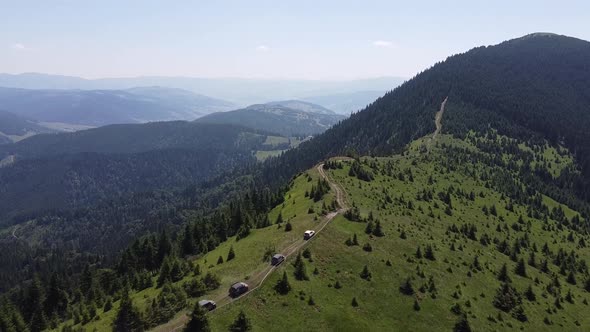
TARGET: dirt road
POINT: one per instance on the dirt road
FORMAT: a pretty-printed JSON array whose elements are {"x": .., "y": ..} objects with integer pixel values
[
  {"x": 259, "y": 277},
  {"x": 438, "y": 122}
]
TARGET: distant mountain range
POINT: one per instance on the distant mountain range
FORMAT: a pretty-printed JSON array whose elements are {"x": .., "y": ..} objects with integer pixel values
[
  {"x": 287, "y": 118},
  {"x": 237, "y": 90},
  {"x": 102, "y": 107},
  {"x": 346, "y": 103}
]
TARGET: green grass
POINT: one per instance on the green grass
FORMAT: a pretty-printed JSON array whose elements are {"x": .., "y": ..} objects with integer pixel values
[
  {"x": 381, "y": 305},
  {"x": 249, "y": 251},
  {"x": 274, "y": 141},
  {"x": 263, "y": 155}
]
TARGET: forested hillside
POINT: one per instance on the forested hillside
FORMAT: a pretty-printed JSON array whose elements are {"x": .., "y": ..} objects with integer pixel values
[
  {"x": 532, "y": 87},
  {"x": 483, "y": 227},
  {"x": 287, "y": 118}
]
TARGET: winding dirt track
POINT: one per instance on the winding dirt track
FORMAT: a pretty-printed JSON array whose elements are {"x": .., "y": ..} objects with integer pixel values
[
  {"x": 259, "y": 277},
  {"x": 438, "y": 122}
]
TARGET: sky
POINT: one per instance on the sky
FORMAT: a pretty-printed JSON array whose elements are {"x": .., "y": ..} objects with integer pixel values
[{"x": 320, "y": 40}]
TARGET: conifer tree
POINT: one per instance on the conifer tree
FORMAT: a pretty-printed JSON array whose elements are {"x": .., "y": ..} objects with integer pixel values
[
  {"x": 378, "y": 231},
  {"x": 128, "y": 319},
  {"x": 283, "y": 287},
  {"x": 241, "y": 324},
  {"x": 198, "y": 322},
  {"x": 521, "y": 268},
  {"x": 165, "y": 270},
  {"x": 231, "y": 254},
  {"x": 503, "y": 274},
  {"x": 370, "y": 227},
  {"x": 279, "y": 218},
  {"x": 300, "y": 271},
  {"x": 365, "y": 273},
  {"x": 462, "y": 325}
]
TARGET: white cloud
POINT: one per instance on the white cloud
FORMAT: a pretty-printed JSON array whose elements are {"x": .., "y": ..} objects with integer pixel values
[
  {"x": 383, "y": 43},
  {"x": 19, "y": 47},
  {"x": 262, "y": 48}
]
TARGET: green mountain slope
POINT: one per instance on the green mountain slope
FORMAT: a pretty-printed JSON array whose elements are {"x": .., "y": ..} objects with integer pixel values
[
  {"x": 532, "y": 87},
  {"x": 467, "y": 215},
  {"x": 287, "y": 118},
  {"x": 427, "y": 216}
]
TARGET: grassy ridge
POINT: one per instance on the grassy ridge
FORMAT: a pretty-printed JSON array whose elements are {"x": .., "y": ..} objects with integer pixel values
[
  {"x": 408, "y": 223},
  {"x": 381, "y": 305}
]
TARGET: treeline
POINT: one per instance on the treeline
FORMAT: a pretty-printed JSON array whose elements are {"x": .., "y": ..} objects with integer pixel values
[{"x": 154, "y": 260}]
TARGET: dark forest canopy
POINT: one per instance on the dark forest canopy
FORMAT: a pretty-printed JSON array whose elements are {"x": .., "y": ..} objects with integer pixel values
[{"x": 537, "y": 86}]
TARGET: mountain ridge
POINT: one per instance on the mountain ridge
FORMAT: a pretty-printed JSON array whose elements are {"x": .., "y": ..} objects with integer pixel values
[{"x": 287, "y": 118}]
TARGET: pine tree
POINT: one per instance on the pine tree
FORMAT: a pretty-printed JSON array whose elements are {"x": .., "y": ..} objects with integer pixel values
[
  {"x": 241, "y": 324},
  {"x": 288, "y": 227},
  {"x": 503, "y": 274},
  {"x": 571, "y": 278},
  {"x": 521, "y": 268},
  {"x": 176, "y": 273},
  {"x": 519, "y": 314},
  {"x": 198, "y": 322},
  {"x": 406, "y": 288},
  {"x": 355, "y": 240},
  {"x": 354, "y": 302},
  {"x": 165, "y": 270},
  {"x": 462, "y": 325},
  {"x": 188, "y": 241},
  {"x": 429, "y": 253},
  {"x": 38, "y": 321},
  {"x": 416, "y": 305},
  {"x": 370, "y": 227},
  {"x": 279, "y": 218},
  {"x": 530, "y": 294},
  {"x": 476, "y": 264},
  {"x": 219, "y": 260},
  {"x": 507, "y": 298},
  {"x": 418, "y": 253},
  {"x": 164, "y": 247},
  {"x": 108, "y": 305},
  {"x": 283, "y": 287},
  {"x": 403, "y": 235},
  {"x": 57, "y": 299},
  {"x": 128, "y": 319},
  {"x": 231, "y": 254},
  {"x": 300, "y": 271},
  {"x": 33, "y": 299},
  {"x": 378, "y": 231},
  {"x": 365, "y": 273}
]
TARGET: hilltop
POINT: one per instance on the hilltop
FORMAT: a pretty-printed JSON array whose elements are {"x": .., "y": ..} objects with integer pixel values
[{"x": 287, "y": 118}]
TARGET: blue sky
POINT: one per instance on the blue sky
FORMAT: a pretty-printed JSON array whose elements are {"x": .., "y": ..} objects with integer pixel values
[{"x": 264, "y": 39}]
